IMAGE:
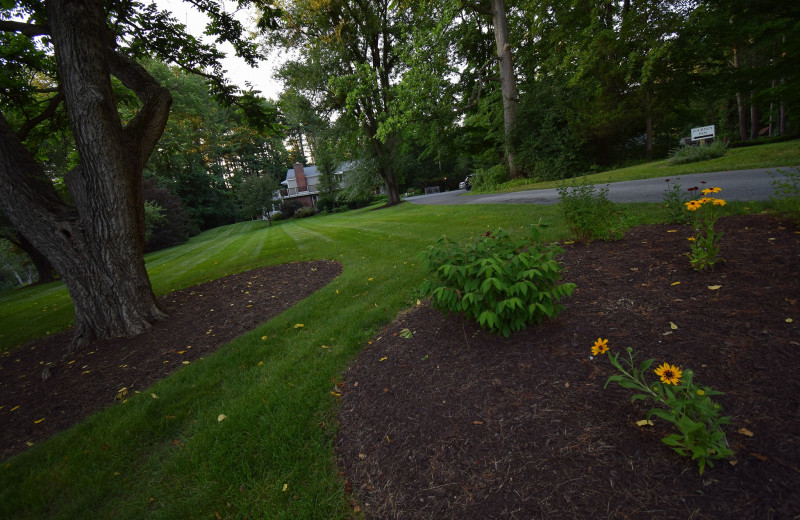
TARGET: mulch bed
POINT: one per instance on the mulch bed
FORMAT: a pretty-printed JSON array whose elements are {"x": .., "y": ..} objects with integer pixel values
[
  {"x": 457, "y": 423},
  {"x": 201, "y": 319}
]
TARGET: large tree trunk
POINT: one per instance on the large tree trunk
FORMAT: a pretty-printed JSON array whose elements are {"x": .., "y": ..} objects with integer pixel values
[
  {"x": 508, "y": 84},
  {"x": 43, "y": 266},
  {"x": 755, "y": 118},
  {"x": 384, "y": 155},
  {"x": 96, "y": 245}
]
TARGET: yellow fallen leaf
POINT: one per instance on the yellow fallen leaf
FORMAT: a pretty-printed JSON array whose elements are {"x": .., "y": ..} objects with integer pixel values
[
  {"x": 567, "y": 242},
  {"x": 221, "y": 417},
  {"x": 789, "y": 320},
  {"x": 477, "y": 422},
  {"x": 383, "y": 359},
  {"x": 675, "y": 283},
  {"x": 745, "y": 432},
  {"x": 261, "y": 363},
  {"x": 714, "y": 287},
  {"x": 185, "y": 362},
  {"x": 672, "y": 231},
  {"x": 370, "y": 279},
  {"x": 673, "y": 326},
  {"x": 263, "y": 338},
  {"x": 644, "y": 422},
  {"x": 28, "y": 443},
  {"x": 299, "y": 325},
  {"x": 337, "y": 291},
  {"x": 14, "y": 408},
  {"x": 336, "y": 394},
  {"x": 324, "y": 346},
  {"x": 116, "y": 473},
  {"x": 40, "y": 420},
  {"x": 285, "y": 487},
  {"x": 154, "y": 396}
]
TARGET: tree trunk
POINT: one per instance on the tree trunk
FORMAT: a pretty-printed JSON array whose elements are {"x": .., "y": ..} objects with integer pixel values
[
  {"x": 508, "y": 84},
  {"x": 740, "y": 102},
  {"x": 387, "y": 172},
  {"x": 96, "y": 245},
  {"x": 754, "y": 119}
]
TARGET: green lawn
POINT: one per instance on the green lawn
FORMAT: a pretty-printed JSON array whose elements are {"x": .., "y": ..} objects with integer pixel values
[
  {"x": 170, "y": 457},
  {"x": 763, "y": 156}
]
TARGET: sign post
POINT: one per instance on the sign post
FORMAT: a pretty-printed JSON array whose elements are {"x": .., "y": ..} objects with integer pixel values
[{"x": 703, "y": 132}]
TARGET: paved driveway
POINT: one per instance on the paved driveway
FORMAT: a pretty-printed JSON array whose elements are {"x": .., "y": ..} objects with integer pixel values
[{"x": 736, "y": 185}]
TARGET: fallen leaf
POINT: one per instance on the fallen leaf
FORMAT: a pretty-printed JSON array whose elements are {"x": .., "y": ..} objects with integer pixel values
[
  {"x": 154, "y": 396},
  {"x": 122, "y": 393},
  {"x": 405, "y": 333},
  {"x": 285, "y": 487},
  {"x": 324, "y": 346},
  {"x": 185, "y": 362},
  {"x": 260, "y": 363},
  {"x": 13, "y": 408},
  {"x": 714, "y": 287},
  {"x": 362, "y": 456},
  {"x": 40, "y": 420},
  {"x": 335, "y": 394},
  {"x": 745, "y": 431},
  {"x": 383, "y": 359},
  {"x": 221, "y": 417},
  {"x": 370, "y": 279},
  {"x": 759, "y": 456},
  {"x": 356, "y": 509},
  {"x": 263, "y": 338},
  {"x": 675, "y": 283},
  {"x": 672, "y": 231},
  {"x": 673, "y": 326},
  {"x": 477, "y": 422},
  {"x": 299, "y": 325},
  {"x": 789, "y": 320},
  {"x": 644, "y": 422}
]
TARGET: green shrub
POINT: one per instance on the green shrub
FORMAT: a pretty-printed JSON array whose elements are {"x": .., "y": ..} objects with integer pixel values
[
  {"x": 501, "y": 282},
  {"x": 675, "y": 198},
  {"x": 489, "y": 179},
  {"x": 589, "y": 213},
  {"x": 289, "y": 206},
  {"x": 304, "y": 212},
  {"x": 277, "y": 216},
  {"x": 690, "y": 154}
]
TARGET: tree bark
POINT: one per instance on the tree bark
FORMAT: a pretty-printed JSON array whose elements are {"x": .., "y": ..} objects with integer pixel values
[
  {"x": 740, "y": 102},
  {"x": 97, "y": 245},
  {"x": 43, "y": 266},
  {"x": 508, "y": 84},
  {"x": 754, "y": 119}
]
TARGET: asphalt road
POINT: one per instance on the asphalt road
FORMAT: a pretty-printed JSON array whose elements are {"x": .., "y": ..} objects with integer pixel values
[{"x": 736, "y": 185}]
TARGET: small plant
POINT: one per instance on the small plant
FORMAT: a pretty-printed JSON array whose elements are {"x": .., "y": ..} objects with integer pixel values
[
  {"x": 704, "y": 244},
  {"x": 689, "y": 154},
  {"x": 589, "y": 213},
  {"x": 679, "y": 401},
  {"x": 786, "y": 199},
  {"x": 489, "y": 179},
  {"x": 674, "y": 199},
  {"x": 501, "y": 282},
  {"x": 305, "y": 211}
]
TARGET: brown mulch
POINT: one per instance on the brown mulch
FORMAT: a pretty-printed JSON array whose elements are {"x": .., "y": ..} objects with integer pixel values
[
  {"x": 456, "y": 423},
  {"x": 201, "y": 319}
]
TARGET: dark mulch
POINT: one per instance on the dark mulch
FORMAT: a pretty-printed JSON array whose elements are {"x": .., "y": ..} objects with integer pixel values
[
  {"x": 202, "y": 318},
  {"x": 457, "y": 423}
]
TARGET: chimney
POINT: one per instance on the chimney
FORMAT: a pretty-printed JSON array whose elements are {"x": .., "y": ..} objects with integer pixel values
[{"x": 300, "y": 176}]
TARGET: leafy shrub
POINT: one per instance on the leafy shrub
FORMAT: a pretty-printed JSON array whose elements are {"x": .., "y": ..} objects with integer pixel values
[
  {"x": 289, "y": 206},
  {"x": 501, "y": 282},
  {"x": 675, "y": 197},
  {"x": 589, "y": 213},
  {"x": 304, "y": 212},
  {"x": 276, "y": 216},
  {"x": 489, "y": 179},
  {"x": 690, "y": 154}
]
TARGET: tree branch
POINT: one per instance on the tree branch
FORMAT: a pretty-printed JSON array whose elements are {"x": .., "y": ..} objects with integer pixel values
[
  {"x": 47, "y": 113},
  {"x": 27, "y": 29}
]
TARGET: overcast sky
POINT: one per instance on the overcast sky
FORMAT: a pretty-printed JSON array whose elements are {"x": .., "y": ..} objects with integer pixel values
[{"x": 238, "y": 72}]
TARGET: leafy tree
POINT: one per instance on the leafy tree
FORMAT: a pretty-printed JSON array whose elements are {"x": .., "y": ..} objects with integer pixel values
[
  {"x": 348, "y": 60},
  {"x": 64, "y": 55},
  {"x": 257, "y": 195}
]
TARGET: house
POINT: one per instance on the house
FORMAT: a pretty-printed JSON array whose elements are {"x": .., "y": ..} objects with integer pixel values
[{"x": 302, "y": 184}]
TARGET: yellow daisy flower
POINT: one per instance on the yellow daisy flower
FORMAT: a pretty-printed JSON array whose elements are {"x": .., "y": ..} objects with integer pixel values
[
  {"x": 693, "y": 205},
  {"x": 719, "y": 202},
  {"x": 669, "y": 374},
  {"x": 600, "y": 346},
  {"x": 716, "y": 189}
]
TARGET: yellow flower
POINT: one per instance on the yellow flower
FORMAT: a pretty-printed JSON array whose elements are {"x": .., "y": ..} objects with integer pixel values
[
  {"x": 693, "y": 205},
  {"x": 600, "y": 346},
  {"x": 716, "y": 189},
  {"x": 691, "y": 239},
  {"x": 719, "y": 202},
  {"x": 707, "y": 191},
  {"x": 669, "y": 374},
  {"x": 705, "y": 200}
]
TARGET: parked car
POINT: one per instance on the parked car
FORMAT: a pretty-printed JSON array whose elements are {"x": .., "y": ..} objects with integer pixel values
[{"x": 465, "y": 184}]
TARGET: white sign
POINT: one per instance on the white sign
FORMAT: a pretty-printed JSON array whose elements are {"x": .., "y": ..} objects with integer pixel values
[{"x": 703, "y": 132}]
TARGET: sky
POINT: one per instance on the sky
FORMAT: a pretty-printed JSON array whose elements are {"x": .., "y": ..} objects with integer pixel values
[{"x": 238, "y": 72}]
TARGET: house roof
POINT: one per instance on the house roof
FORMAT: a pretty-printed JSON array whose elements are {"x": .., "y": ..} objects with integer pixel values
[{"x": 310, "y": 171}]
